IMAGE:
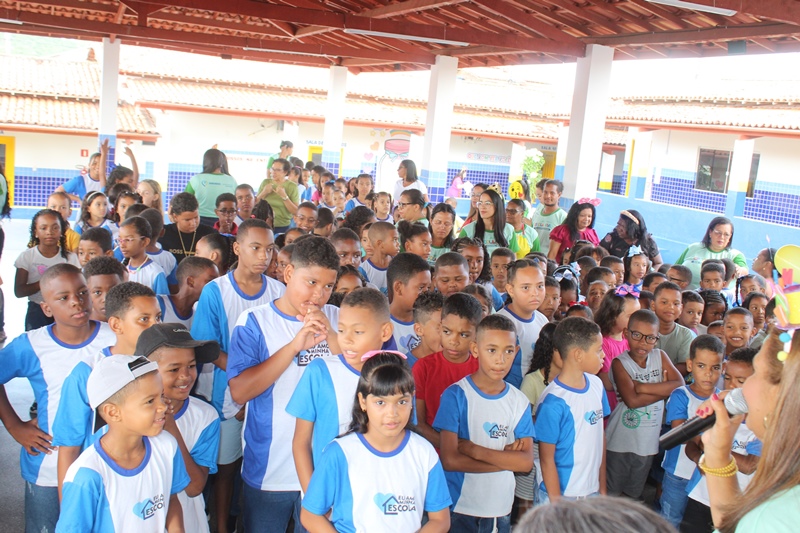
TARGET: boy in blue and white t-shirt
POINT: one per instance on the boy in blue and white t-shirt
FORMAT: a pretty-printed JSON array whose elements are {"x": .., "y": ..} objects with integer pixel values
[
  {"x": 45, "y": 356},
  {"x": 194, "y": 273},
  {"x": 485, "y": 425},
  {"x": 323, "y": 399},
  {"x": 122, "y": 483},
  {"x": 704, "y": 365},
  {"x": 569, "y": 419},
  {"x": 193, "y": 423},
  {"x": 269, "y": 351},
  {"x": 408, "y": 275}
]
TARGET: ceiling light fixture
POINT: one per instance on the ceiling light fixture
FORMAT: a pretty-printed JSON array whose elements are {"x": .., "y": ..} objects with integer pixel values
[
  {"x": 371, "y": 33},
  {"x": 11, "y": 21},
  {"x": 695, "y": 7}
]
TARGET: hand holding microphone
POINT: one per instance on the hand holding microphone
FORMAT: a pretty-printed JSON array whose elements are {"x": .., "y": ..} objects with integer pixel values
[{"x": 735, "y": 404}]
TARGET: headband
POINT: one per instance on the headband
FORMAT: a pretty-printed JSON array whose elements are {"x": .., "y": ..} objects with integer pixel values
[
  {"x": 628, "y": 214},
  {"x": 373, "y": 353},
  {"x": 594, "y": 201}
]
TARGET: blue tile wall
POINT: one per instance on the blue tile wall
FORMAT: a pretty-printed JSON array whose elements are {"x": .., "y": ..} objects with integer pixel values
[
  {"x": 476, "y": 173},
  {"x": 677, "y": 188},
  {"x": 771, "y": 206},
  {"x": 618, "y": 185},
  {"x": 177, "y": 178},
  {"x": 32, "y": 187}
]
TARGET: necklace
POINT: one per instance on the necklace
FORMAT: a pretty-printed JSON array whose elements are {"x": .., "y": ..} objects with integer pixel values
[
  {"x": 134, "y": 270},
  {"x": 187, "y": 253}
]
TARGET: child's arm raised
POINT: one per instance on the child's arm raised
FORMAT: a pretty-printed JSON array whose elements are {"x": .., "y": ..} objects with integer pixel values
[
  {"x": 516, "y": 457},
  {"x": 101, "y": 173},
  {"x": 134, "y": 166},
  {"x": 547, "y": 460},
  {"x": 252, "y": 369},
  {"x": 175, "y": 516},
  {"x": 23, "y": 289},
  {"x": 671, "y": 379}
]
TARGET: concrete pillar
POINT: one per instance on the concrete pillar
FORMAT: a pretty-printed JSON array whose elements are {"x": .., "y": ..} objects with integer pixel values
[
  {"x": 561, "y": 150},
  {"x": 438, "y": 126},
  {"x": 587, "y": 122},
  {"x": 334, "y": 120},
  {"x": 109, "y": 83},
  {"x": 739, "y": 176},
  {"x": 607, "y": 164},
  {"x": 518, "y": 150}
]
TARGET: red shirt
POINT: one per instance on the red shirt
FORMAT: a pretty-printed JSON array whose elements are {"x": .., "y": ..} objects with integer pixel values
[
  {"x": 433, "y": 374},
  {"x": 561, "y": 235},
  {"x": 234, "y": 228}
]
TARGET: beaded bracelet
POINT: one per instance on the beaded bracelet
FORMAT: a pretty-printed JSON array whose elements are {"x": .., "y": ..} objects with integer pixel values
[{"x": 729, "y": 470}]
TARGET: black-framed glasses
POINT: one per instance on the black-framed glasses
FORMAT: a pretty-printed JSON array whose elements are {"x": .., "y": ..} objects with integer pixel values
[{"x": 649, "y": 339}]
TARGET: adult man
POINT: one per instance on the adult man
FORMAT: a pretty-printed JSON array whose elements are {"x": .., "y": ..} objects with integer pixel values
[{"x": 548, "y": 215}]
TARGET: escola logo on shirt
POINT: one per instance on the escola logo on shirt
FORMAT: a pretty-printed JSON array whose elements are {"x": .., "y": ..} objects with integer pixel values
[
  {"x": 593, "y": 417},
  {"x": 149, "y": 507},
  {"x": 390, "y": 504},
  {"x": 495, "y": 431}
]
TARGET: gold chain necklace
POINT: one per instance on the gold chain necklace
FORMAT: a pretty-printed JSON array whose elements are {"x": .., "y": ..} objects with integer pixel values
[{"x": 191, "y": 246}]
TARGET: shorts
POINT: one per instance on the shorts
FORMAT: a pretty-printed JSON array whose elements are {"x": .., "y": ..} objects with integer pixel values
[
  {"x": 627, "y": 473},
  {"x": 230, "y": 441}
]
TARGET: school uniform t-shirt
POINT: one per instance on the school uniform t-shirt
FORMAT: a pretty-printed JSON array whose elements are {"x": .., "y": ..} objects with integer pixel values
[
  {"x": 370, "y": 490},
  {"x": 46, "y": 361},
  {"x": 351, "y": 204},
  {"x": 221, "y": 303},
  {"x": 489, "y": 240},
  {"x": 169, "y": 314},
  {"x": 149, "y": 274},
  {"x": 82, "y": 185},
  {"x": 404, "y": 335},
  {"x": 491, "y": 421},
  {"x": 206, "y": 187},
  {"x": 268, "y": 462},
  {"x": 572, "y": 420},
  {"x": 32, "y": 261},
  {"x": 324, "y": 396},
  {"x": 168, "y": 264},
  {"x": 681, "y": 405},
  {"x": 375, "y": 275},
  {"x": 527, "y": 335},
  {"x": 199, "y": 426},
  {"x": 102, "y": 497},
  {"x": 433, "y": 374}
]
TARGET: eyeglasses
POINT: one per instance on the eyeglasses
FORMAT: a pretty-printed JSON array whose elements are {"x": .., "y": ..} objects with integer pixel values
[
  {"x": 721, "y": 234},
  {"x": 405, "y": 204},
  {"x": 513, "y": 211},
  {"x": 277, "y": 169},
  {"x": 649, "y": 339},
  {"x": 129, "y": 240},
  {"x": 487, "y": 203},
  {"x": 227, "y": 211}
]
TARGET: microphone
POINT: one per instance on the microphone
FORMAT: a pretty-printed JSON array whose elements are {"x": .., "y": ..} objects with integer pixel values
[{"x": 735, "y": 404}]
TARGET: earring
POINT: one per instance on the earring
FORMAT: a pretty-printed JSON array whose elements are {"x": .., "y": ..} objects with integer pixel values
[{"x": 766, "y": 421}]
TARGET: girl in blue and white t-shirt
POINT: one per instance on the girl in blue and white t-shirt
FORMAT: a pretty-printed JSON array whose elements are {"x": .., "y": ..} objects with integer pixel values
[{"x": 405, "y": 475}]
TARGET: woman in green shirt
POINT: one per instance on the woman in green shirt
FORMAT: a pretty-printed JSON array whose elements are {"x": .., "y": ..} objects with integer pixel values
[
  {"x": 526, "y": 237},
  {"x": 491, "y": 226},
  {"x": 213, "y": 181},
  {"x": 771, "y": 502},
  {"x": 716, "y": 244},
  {"x": 281, "y": 193}
]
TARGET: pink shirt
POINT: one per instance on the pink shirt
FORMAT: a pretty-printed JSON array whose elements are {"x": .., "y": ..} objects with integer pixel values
[
  {"x": 561, "y": 235},
  {"x": 612, "y": 348}
]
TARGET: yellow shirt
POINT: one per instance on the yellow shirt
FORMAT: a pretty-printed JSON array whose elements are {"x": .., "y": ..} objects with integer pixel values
[{"x": 73, "y": 238}]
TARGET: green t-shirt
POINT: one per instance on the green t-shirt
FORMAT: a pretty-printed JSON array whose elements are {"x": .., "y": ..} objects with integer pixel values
[
  {"x": 527, "y": 241},
  {"x": 206, "y": 188},
  {"x": 544, "y": 224},
  {"x": 696, "y": 253},
  {"x": 282, "y": 215},
  {"x": 489, "y": 239},
  {"x": 779, "y": 514}
]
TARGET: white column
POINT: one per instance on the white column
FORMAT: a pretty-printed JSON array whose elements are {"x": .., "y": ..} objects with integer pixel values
[
  {"x": 438, "y": 127},
  {"x": 109, "y": 82},
  {"x": 561, "y": 150},
  {"x": 739, "y": 176},
  {"x": 587, "y": 122},
  {"x": 334, "y": 120},
  {"x": 515, "y": 165}
]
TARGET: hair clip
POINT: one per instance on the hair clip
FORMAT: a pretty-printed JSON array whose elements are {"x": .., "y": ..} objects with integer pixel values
[
  {"x": 626, "y": 289},
  {"x": 635, "y": 250},
  {"x": 594, "y": 201},
  {"x": 373, "y": 353},
  {"x": 574, "y": 303}
]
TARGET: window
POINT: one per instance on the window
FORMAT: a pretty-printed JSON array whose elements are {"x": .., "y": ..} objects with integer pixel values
[{"x": 713, "y": 169}]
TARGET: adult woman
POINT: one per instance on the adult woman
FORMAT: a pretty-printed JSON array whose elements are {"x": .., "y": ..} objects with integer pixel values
[
  {"x": 770, "y": 502},
  {"x": 526, "y": 237},
  {"x": 716, "y": 244},
  {"x": 442, "y": 220},
  {"x": 474, "y": 197},
  {"x": 579, "y": 225},
  {"x": 408, "y": 180},
  {"x": 631, "y": 230},
  {"x": 411, "y": 207},
  {"x": 213, "y": 181},
  {"x": 454, "y": 191},
  {"x": 281, "y": 194},
  {"x": 491, "y": 226}
]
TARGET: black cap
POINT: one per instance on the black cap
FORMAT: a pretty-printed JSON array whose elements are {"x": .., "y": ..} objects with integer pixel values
[{"x": 175, "y": 336}]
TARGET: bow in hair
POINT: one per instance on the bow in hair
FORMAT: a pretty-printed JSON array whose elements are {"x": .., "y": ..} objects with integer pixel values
[
  {"x": 635, "y": 250},
  {"x": 373, "y": 353},
  {"x": 594, "y": 201},
  {"x": 627, "y": 289}
]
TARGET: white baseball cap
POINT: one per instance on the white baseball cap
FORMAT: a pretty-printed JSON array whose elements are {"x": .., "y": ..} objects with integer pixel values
[{"x": 112, "y": 373}]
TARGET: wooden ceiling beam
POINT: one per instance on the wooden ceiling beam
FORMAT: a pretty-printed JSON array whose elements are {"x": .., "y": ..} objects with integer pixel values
[
  {"x": 588, "y": 14},
  {"x": 192, "y": 20},
  {"x": 504, "y": 9},
  {"x": 787, "y": 11},
  {"x": 729, "y": 33},
  {"x": 661, "y": 12}
]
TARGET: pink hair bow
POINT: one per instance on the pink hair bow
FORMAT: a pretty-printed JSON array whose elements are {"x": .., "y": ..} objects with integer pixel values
[
  {"x": 594, "y": 201},
  {"x": 627, "y": 289},
  {"x": 373, "y": 353}
]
